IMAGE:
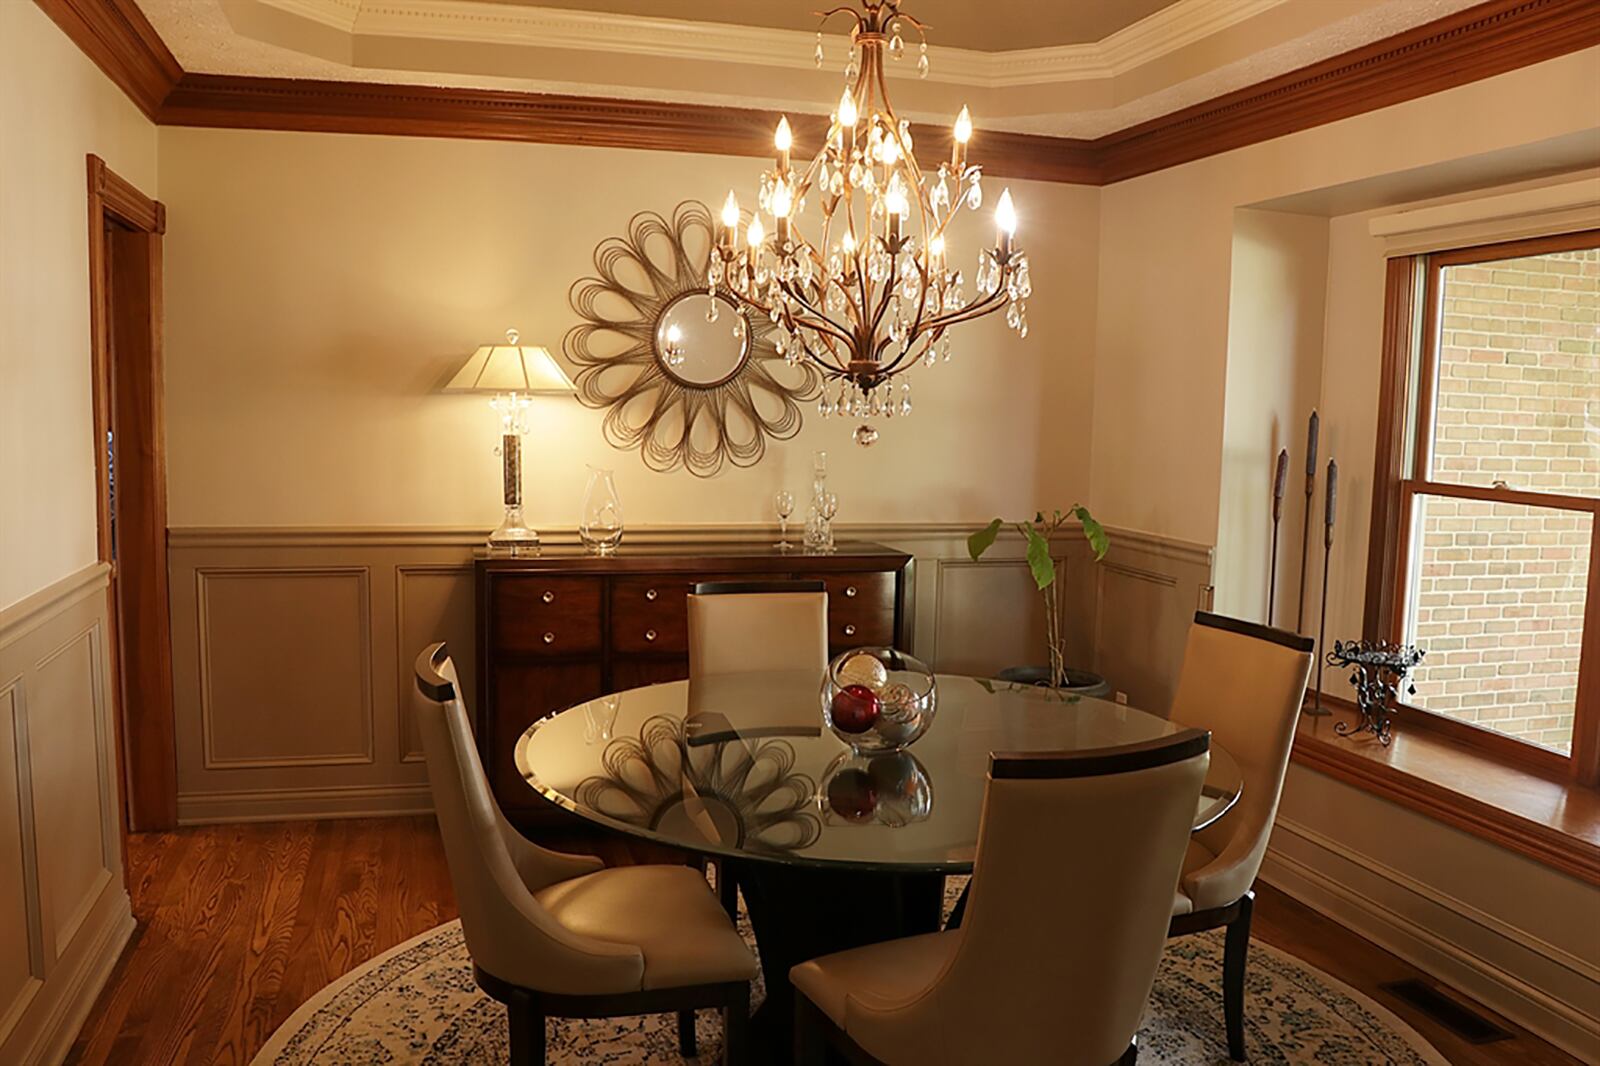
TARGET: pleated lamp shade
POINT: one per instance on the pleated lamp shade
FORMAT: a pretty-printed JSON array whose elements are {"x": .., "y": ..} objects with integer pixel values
[{"x": 511, "y": 367}]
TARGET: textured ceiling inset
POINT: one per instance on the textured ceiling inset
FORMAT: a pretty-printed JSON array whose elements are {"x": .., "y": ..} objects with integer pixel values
[{"x": 1180, "y": 53}]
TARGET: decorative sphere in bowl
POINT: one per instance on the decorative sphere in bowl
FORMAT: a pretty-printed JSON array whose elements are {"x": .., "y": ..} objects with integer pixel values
[{"x": 878, "y": 699}]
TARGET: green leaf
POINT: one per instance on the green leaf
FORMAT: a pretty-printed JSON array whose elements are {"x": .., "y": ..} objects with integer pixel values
[
  {"x": 983, "y": 539},
  {"x": 1039, "y": 561},
  {"x": 1093, "y": 532}
]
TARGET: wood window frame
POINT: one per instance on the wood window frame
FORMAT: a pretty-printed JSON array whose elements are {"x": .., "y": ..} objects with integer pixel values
[{"x": 1409, "y": 383}]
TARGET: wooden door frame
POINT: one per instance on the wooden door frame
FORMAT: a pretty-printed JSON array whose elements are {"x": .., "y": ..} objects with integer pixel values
[{"x": 141, "y": 635}]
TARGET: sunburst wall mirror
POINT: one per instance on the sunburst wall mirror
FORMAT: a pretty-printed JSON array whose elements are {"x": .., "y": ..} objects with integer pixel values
[{"x": 684, "y": 375}]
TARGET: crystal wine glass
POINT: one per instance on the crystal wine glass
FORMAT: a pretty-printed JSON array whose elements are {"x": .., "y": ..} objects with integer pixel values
[
  {"x": 830, "y": 507},
  {"x": 784, "y": 502}
]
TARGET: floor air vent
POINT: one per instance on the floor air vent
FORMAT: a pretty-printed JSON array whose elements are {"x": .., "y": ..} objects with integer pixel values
[{"x": 1455, "y": 1016}]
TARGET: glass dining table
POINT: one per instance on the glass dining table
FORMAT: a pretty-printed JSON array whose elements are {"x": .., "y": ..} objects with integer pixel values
[{"x": 829, "y": 849}]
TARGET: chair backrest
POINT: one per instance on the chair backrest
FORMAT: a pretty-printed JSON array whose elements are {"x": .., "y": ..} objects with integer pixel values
[
  {"x": 1078, "y": 857},
  {"x": 1245, "y": 683},
  {"x": 508, "y": 933},
  {"x": 738, "y": 626}
]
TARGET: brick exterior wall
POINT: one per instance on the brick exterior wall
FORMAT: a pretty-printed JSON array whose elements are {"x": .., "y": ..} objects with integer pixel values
[{"x": 1499, "y": 595}]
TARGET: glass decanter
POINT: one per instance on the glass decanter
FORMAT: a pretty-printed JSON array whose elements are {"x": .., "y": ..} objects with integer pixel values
[
  {"x": 818, "y": 535},
  {"x": 600, "y": 524}
]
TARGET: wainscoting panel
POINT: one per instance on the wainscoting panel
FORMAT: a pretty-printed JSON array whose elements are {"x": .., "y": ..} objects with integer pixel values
[
  {"x": 67, "y": 746},
  {"x": 989, "y": 615},
  {"x": 21, "y": 954},
  {"x": 431, "y": 603},
  {"x": 1146, "y": 593},
  {"x": 1518, "y": 937},
  {"x": 349, "y": 609},
  {"x": 285, "y": 667},
  {"x": 64, "y": 914}
]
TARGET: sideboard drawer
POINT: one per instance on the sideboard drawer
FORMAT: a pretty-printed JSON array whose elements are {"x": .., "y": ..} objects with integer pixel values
[
  {"x": 855, "y": 629},
  {"x": 546, "y": 615},
  {"x": 862, "y": 593},
  {"x": 650, "y": 612}
]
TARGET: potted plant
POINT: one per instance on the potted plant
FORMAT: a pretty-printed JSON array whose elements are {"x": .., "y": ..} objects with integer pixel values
[{"x": 1038, "y": 534}]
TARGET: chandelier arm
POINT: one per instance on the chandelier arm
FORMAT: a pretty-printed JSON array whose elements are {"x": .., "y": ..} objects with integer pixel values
[
  {"x": 826, "y": 324},
  {"x": 987, "y": 305}
]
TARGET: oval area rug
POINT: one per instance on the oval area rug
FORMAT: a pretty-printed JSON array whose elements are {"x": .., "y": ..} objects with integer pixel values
[{"x": 417, "y": 1004}]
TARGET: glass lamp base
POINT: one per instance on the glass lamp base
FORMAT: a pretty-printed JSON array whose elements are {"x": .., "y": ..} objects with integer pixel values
[{"x": 514, "y": 535}]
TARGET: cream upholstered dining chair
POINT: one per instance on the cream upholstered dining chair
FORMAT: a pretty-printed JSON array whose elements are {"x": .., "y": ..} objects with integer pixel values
[
  {"x": 1077, "y": 857},
  {"x": 1245, "y": 682},
  {"x": 554, "y": 935},
  {"x": 738, "y": 626}
]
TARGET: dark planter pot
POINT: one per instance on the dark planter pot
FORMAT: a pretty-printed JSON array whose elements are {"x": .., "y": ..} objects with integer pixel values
[{"x": 1079, "y": 682}]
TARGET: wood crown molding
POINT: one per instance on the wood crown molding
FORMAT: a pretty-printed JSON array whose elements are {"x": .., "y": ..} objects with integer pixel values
[
  {"x": 122, "y": 43},
  {"x": 1478, "y": 42}
]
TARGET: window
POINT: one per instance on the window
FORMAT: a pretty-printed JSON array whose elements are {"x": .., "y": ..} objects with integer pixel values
[{"x": 1489, "y": 505}]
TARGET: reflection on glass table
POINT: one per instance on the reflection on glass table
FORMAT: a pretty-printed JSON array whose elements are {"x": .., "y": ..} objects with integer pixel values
[{"x": 740, "y": 765}]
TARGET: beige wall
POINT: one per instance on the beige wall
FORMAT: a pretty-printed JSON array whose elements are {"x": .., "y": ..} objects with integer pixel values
[
  {"x": 1277, "y": 286},
  {"x": 67, "y": 110},
  {"x": 321, "y": 288},
  {"x": 64, "y": 913},
  {"x": 1166, "y": 240}
]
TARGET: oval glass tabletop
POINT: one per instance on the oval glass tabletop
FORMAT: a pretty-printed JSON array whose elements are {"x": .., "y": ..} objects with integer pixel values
[{"x": 742, "y": 765}]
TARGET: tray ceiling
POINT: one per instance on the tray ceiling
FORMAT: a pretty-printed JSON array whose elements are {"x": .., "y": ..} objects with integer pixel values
[{"x": 1078, "y": 69}]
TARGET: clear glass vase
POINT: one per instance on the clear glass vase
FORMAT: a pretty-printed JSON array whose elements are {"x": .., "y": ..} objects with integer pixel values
[{"x": 600, "y": 524}]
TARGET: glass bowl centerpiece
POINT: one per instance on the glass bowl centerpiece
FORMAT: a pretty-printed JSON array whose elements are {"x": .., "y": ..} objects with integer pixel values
[{"x": 878, "y": 699}]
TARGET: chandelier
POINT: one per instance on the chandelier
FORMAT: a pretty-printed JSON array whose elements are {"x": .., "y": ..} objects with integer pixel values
[{"x": 872, "y": 294}]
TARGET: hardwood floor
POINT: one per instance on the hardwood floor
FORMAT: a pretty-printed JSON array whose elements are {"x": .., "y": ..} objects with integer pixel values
[{"x": 239, "y": 924}]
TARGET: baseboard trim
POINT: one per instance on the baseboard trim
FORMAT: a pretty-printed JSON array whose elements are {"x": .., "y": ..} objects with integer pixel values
[
  {"x": 1483, "y": 979},
  {"x": 312, "y": 804},
  {"x": 71, "y": 1007}
]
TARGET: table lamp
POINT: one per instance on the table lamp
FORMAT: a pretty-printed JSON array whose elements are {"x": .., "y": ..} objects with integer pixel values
[{"x": 512, "y": 373}]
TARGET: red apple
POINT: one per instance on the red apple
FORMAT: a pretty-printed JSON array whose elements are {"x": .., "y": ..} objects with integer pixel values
[{"x": 855, "y": 708}]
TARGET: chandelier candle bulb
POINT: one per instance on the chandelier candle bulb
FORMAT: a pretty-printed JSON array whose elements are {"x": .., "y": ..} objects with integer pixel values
[
  {"x": 730, "y": 220},
  {"x": 756, "y": 234},
  {"x": 1005, "y": 220},
  {"x": 783, "y": 140},
  {"x": 963, "y": 134}
]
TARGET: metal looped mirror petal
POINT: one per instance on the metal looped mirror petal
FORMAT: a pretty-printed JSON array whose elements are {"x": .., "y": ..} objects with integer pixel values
[{"x": 683, "y": 374}]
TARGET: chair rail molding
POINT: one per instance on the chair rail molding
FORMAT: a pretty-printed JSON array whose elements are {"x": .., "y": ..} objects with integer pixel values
[
  {"x": 64, "y": 911},
  {"x": 417, "y": 587}
]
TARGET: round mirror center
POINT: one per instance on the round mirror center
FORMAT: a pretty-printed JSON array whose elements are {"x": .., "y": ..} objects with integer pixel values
[{"x": 701, "y": 341}]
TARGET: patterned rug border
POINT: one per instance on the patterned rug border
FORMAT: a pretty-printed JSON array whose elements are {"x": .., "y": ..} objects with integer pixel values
[{"x": 295, "y": 1025}]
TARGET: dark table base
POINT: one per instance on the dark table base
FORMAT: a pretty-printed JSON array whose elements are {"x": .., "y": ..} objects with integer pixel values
[{"x": 799, "y": 913}]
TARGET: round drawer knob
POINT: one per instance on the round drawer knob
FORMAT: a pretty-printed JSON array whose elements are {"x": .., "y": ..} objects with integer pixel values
[
  {"x": 850, "y": 591},
  {"x": 650, "y": 594},
  {"x": 649, "y": 634},
  {"x": 549, "y": 638},
  {"x": 548, "y": 597},
  {"x": 850, "y": 630}
]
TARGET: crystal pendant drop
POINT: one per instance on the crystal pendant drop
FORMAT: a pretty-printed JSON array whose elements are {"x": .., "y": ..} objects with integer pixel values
[
  {"x": 897, "y": 44},
  {"x": 865, "y": 435},
  {"x": 824, "y": 408},
  {"x": 905, "y": 399},
  {"x": 820, "y": 57},
  {"x": 922, "y": 60}
]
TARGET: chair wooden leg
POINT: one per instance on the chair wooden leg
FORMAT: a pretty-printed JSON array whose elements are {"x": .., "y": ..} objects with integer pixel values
[
  {"x": 686, "y": 1041},
  {"x": 527, "y": 1031},
  {"x": 810, "y": 1042},
  {"x": 736, "y": 1031},
  {"x": 1233, "y": 963}
]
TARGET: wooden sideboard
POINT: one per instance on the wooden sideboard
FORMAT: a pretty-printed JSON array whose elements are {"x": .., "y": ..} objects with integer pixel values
[{"x": 564, "y": 627}]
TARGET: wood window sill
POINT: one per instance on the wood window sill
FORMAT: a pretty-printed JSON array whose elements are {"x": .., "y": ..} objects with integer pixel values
[{"x": 1543, "y": 816}]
